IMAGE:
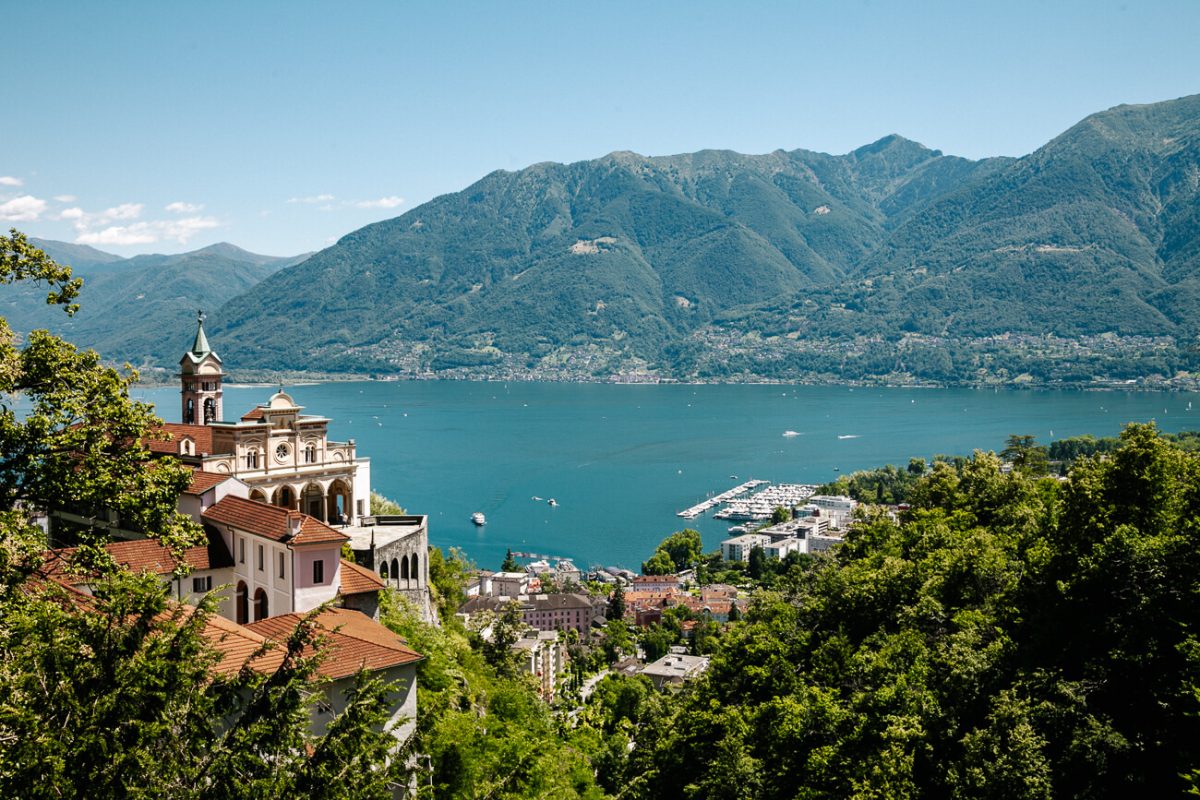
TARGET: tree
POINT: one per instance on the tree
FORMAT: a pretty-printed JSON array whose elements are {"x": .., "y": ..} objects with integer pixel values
[
  {"x": 382, "y": 506},
  {"x": 1025, "y": 454},
  {"x": 780, "y": 515},
  {"x": 758, "y": 563},
  {"x": 114, "y": 694},
  {"x": 510, "y": 564},
  {"x": 656, "y": 642},
  {"x": 506, "y": 630},
  {"x": 616, "y": 604},
  {"x": 659, "y": 564}
]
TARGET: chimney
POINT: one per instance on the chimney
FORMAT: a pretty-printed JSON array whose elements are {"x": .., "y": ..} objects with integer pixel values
[{"x": 294, "y": 522}]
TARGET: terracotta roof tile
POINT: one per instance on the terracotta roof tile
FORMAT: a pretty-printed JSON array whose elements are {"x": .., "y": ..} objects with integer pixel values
[
  {"x": 147, "y": 555},
  {"x": 359, "y": 580},
  {"x": 237, "y": 644},
  {"x": 171, "y": 432},
  {"x": 203, "y": 481},
  {"x": 271, "y": 521},
  {"x": 353, "y": 641},
  {"x": 253, "y": 414}
]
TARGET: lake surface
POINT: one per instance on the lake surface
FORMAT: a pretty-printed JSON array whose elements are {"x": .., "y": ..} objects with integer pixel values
[{"x": 621, "y": 460}]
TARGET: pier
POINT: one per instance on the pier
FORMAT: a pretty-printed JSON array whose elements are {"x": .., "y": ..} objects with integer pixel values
[{"x": 723, "y": 497}]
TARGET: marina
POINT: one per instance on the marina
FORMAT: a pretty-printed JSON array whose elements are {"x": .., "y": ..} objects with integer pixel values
[
  {"x": 723, "y": 497},
  {"x": 762, "y": 504}
]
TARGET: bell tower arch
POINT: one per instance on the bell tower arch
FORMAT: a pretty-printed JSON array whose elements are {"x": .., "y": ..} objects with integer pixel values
[{"x": 200, "y": 377}]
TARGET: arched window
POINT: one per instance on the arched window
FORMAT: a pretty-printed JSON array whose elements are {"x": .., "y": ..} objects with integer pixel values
[
  {"x": 210, "y": 410},
  {"x": 243, "y": 604},
  {"x": 416, "y": 574},
  {"x": 258, "y": 495},
  {"x": 395, "y": 569},
  {"x": 310, "y": 453},
  {"x": 260, "y": 605},
  {"x": 189, "y": 412},
  {"x": 383, "y": 573},
  {"x": 404, "y": 568}
]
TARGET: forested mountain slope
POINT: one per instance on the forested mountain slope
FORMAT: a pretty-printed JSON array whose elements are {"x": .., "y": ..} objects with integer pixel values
[
  {"x": 132, "y": 306},
  {"x": 624, "y": 252}
]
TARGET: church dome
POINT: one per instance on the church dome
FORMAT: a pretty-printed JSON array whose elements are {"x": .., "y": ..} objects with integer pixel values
[{"x": 281, "y": 401}]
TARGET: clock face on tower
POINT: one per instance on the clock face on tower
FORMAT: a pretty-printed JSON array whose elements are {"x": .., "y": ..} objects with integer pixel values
[{"x": 281, "y": 452}]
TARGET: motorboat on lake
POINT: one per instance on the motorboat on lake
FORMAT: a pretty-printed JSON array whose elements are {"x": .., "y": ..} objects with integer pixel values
[{"x": 478, "y": 518}]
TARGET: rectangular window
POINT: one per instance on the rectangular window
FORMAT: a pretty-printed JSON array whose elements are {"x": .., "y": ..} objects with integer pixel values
[
  {"x": 281, "y": 565},
  {"x": 241, "y": 551},
  {"x": 318, "y": 572},
  {"x": 260, "y": 558},
  {"x": 202, "y": 585}
]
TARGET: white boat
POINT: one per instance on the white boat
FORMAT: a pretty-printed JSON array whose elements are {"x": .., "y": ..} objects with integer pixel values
[
  {"x": 478, "y": 518},
  {"x": 790, "y": 434},
  {"x": 552, "y": 502}
]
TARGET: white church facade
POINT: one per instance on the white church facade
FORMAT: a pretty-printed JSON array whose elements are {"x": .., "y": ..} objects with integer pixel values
[{"x": 284, "y": 456}]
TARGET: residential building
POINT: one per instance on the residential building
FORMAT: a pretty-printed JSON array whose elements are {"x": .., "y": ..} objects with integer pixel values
[
  {"x": 674, "y": 669},
  {"x": 738, "y": 548},
  {"x": 544, "y": 656}
]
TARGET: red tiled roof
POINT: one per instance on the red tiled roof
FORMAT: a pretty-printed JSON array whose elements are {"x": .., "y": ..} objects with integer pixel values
[
  {"x": 271, "y": 521},
  {"x": 353, "y": 641},
  {"x": 237, "y": 645},
  {"x": 359, "y": 580},
  {"x": 203, "y": 481},
  {"x": 253, "y": 414},
  {"x": 147, "y": 555},
  {"x": 172, "y": 432}
]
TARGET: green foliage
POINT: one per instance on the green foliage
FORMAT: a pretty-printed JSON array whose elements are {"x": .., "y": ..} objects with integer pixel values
[
  {"x": 482, "y": 734},
  {"x": 679, "y": 551},
  {"x": 1011, "y": 636},
  {"x": 114, "y": 695},
  {"x": 1024, "y": 453},
  {"x": 382, "y": 506},
  {"x": 129, "y": 326},
  {"x": 885, "y": 485},
  {"x": 510, "y": 564},
  {"x": 616, "y": 604},
  {"x": 448, "y": 577},
  {"x": 660, "y": 563}
]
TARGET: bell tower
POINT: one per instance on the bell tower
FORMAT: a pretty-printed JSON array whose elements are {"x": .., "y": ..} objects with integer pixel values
[{"x": 200, "y": 376}]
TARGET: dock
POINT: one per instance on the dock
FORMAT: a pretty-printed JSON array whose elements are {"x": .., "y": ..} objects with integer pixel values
[{"x": 723, "y": 497}]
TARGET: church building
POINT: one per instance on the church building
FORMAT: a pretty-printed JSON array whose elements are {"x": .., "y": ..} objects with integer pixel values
[{"x": 284, "y": 456}]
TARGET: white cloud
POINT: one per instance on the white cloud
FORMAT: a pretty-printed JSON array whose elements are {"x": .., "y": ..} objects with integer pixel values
[
  {"x": 25, "y": 208},
  {"x": 138, "y": 233},
  {"x": 178, "y": 230},
  {"x": 312, "y": 199},
  {"x": 123, "y": 211},
  {"x": 9, "y": 180},
  {"x": 384, "y": 202},
  {"x": 71, "y": 213},
  {"x": 179, "y": 207},
  {"x": 65, "y": 198}
]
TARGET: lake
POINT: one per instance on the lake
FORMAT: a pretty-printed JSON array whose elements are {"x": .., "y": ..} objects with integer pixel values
[{"x": 621, "y": 460}]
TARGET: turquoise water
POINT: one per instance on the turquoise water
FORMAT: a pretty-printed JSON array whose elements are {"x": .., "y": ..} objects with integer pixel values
[{"x": 621, "y": 460}]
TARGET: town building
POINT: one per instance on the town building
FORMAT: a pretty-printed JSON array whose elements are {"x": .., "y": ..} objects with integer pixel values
[
  {"x": 738, "y": 548},
  {"x": 675, "y": 668},
  {"x": 655, "y": 583},
  {"x": 543, "y": 612},
  {"x": 543, "y": 655}
]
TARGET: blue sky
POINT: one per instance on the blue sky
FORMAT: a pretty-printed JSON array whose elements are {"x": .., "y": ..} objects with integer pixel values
[{"x": 162, "y": 127}]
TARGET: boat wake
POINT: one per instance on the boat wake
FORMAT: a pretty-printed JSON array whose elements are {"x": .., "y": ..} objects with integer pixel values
[
  {"x": 849, "y": 435},
  {"x": 790, "y": 434}
]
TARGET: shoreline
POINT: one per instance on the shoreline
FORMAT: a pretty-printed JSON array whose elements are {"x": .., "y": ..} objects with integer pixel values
[{"x": 1172, "y": 385}]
